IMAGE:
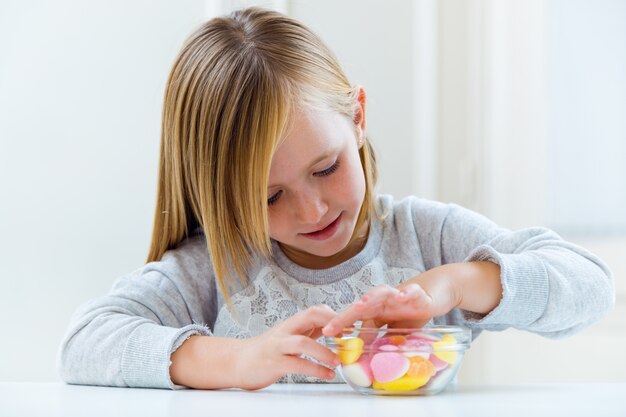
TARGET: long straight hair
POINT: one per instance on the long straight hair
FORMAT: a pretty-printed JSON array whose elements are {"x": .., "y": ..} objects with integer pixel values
[{"x": 227, "y": 101}]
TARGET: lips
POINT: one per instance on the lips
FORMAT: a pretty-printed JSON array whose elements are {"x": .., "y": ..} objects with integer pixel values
[{"x": 326, "y": 231}]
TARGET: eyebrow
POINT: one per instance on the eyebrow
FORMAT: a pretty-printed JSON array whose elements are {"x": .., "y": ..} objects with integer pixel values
[{"x": 323, "y": 156}]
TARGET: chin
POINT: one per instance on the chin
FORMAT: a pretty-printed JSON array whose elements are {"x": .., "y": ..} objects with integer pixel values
[{"x": 330, "y": 250}]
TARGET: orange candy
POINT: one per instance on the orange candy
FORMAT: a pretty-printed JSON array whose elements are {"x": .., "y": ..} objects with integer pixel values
[
  {"x": 420, "y": 367},
  {"x": 397, "y": 340}
]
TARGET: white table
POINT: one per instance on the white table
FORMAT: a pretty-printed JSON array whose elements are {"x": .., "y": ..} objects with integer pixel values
[{"x": 60, "y": 400}]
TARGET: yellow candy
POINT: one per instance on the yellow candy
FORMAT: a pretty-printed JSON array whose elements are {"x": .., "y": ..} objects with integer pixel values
[
  {"x": 446, "y": 340},
  {"x": 350, "y": 350},
  {"x": 406, "y": 383}
]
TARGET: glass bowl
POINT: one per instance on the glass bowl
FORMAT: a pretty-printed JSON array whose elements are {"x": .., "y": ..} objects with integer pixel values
[{"x": 400, "y": 361}]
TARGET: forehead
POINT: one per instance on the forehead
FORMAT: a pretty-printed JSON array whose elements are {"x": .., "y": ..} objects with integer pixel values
[{"x": 310, "y": 134}]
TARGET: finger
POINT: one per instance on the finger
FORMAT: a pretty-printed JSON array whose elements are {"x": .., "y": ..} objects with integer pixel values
[
  {"x": 377, "y": 295},
  {"x": 369, "y": 306},
  {"x": 315, "y": 333},
  {"x": 409, "y": 291},
  {"x": 369, "y": 336},
  {"x": 343, "y": 320},
  {"x": 307, "y": 321},
  {"x": 417, "y": 298},
  {"x": 301, "y": 345},
  {"x": 296, "y": 365},
  {"x": 409, "y": 324}
]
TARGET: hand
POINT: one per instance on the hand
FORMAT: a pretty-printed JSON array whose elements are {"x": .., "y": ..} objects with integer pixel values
[
  {"x": 265, "y": 358},
  {"x": 410, "y": 305}
]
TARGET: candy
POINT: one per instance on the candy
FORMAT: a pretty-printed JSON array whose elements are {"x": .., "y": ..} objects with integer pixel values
[
  {"x": 446, "y": 340},
  {"x": 359, "y": 373},
  {"x": 417, "y": 342},
  {"x": 423, "y": 336},
  {"x": 388, "y": 366},
  {"x": 420, "y": 362},
  {"x": 412, "y": 354},
  {"x": 350, "y": 351},
  {"x": 421, "y": 367},
  {"x": 406, "y": 383},
  {"x": 441, "y": 379},
  {"x": 437, "y": 363},
  {"x": 388, "y": 348},
  {"x": 397, "y": 340},
  {"x": 380, "y": 342}
]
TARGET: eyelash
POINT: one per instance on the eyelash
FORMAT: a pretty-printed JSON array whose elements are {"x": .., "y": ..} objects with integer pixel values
[
  {"x": 273, "y": 198},
  {"x": 328, "y": 171}
]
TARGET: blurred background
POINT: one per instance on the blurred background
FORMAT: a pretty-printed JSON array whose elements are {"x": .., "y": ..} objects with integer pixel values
[{"x": 515, "y": 109}]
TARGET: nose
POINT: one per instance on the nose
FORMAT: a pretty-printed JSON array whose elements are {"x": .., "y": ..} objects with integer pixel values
[{"x": 310, "y": 207}]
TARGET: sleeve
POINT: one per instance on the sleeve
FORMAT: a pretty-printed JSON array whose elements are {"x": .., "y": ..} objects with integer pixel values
[
  {"x": 126, "y": 338},
  {"x": 550, "y": 287}
]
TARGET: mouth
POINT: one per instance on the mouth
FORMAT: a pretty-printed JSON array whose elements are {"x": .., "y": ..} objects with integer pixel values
[{"x": 325, "y": 232}]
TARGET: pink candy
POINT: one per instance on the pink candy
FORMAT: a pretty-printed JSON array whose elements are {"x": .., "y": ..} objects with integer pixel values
[
  {"x": 389, "y": 366},
  {"x": 388, "y": 348}
]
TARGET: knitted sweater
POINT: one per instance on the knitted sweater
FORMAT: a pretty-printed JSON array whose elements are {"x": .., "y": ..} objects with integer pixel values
[{"x": 125, "y": 338}]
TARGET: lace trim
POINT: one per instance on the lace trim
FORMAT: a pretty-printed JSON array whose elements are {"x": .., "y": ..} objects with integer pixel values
[{"x": 275, "y": 296}]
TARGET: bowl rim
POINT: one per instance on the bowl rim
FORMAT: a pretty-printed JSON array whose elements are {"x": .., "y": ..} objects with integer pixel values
[
  {"x": 438, "y": 329},
  {"x": 463, "y": 335}
]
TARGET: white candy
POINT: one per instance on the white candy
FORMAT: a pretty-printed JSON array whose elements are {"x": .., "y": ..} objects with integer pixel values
[{"x": 357, "y": 374}]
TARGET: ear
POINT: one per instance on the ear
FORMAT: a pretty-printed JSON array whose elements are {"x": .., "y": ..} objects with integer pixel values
[{"x": 359, "y": 114}]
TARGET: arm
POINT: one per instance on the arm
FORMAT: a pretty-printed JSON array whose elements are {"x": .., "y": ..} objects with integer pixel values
[
  {"x": 126, "y": 337},
  {"x": 549, "y": 286},
  {"x": 472, "y": 286},
  {"x": 530, "y": 279},
  {"x": 217, "y": 362},
  {"x": 129, "y": 337}
]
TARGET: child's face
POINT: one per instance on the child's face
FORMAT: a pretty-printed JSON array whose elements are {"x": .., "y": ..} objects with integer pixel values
[{"x": 316, "y": 185}]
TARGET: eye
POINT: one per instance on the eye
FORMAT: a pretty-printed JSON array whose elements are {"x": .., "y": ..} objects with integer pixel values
[
  {"x": 328, "y": 170},
  {"x": 273, "y": 198}
]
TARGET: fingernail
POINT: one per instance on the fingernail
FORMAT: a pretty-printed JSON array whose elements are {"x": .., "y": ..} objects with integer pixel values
[{"x": 331, "y": 374}]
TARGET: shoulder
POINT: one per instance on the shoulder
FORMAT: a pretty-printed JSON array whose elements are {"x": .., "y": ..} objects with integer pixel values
[
  {"x": 187, "y": 263},
  {"x": 192, "y": 253},
  {"x": 412, "y": 210},
  {"x": 428, "y": 214}
]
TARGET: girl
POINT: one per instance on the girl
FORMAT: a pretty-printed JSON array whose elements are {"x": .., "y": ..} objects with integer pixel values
[{"x": 268, "y": 233}]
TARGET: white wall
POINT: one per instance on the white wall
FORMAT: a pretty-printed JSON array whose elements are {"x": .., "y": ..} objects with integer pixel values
[
  {"x": 374, "y": 45},
  {"x": 81, "y": 86},
  {"x": 586, "y": 69},
  {"x": 552, "y": 100}
]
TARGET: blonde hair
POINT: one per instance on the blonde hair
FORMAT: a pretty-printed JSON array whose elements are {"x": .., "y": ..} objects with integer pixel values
[{"x": 229, "y": 94}]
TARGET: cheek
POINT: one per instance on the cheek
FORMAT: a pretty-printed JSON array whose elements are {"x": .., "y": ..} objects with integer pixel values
[
  {"x": 276, "y": 222},
  {"x": 272, "y": 222},
  {"x": 353, "y": 181}
]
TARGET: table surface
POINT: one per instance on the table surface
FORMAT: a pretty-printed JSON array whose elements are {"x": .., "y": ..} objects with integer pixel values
[{"x": 320, "y": 400}]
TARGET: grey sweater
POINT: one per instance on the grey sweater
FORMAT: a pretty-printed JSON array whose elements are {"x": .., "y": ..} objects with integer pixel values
[{"x": 550, "y": 287}]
